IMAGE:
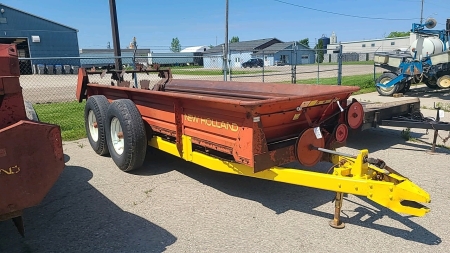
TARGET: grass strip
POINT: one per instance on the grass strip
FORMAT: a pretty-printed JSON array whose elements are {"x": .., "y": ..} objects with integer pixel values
[
  {"x": 69, "y": 116},
  {"x": 364, "y": 82}
]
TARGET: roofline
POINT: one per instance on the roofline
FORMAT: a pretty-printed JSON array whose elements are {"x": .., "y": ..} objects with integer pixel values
[
  {"x": 39, "y": 17},
  {"x": 357, "y": 41},
  {"x": 113, "y": 48}
]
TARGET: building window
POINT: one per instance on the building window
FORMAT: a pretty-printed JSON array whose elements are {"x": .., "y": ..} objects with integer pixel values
[
  {"x": 305, "y": 56},
  {"x": 372, "y": 45},
  {"x": 238, "y": 59},
  {"x": 265, "y": 58},
  {"x": 392, "y": 43},
  {"x": 363, "y": 45}
]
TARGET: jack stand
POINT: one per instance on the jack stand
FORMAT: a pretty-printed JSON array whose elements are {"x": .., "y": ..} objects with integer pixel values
[
  {"x": 433, "y": 148},
  {"x": 336, "y": 222}
]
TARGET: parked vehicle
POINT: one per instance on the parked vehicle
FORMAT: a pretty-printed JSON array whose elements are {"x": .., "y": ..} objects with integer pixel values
[
  {"x": 243, "y": 128},
  {"x": 428, "y": 61},
  {"x": 253, "y": 63}
]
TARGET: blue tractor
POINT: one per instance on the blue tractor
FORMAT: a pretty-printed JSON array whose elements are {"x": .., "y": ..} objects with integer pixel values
[{"x": 428, "y": 62}]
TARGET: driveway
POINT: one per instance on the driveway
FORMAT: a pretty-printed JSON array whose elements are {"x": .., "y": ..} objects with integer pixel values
[{"x": 174, "y": 206}]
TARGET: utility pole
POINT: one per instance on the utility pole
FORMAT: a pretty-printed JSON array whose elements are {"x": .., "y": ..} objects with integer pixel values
[
  {"x": 115, "y": 34},
  {"x": 225, "y": 53},
  {"x": 317, "y": 59},
  {"x": 421, "y": 13},
  {"x": 134, "y": 62}
]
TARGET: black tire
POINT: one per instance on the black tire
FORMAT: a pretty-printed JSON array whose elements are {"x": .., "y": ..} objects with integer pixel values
[
  {"x": 125, "y": 113},
  {"x": 431, "y": 83},
  {"x": 405, "y": 87},
  {"x": 385, "y": 78},
  {"x": 31, "y": 113},
  {"x": 98, "y": 105}
]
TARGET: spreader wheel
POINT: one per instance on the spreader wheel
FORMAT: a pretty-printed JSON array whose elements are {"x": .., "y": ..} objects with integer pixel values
[
  {"x": 355, "y": 115},
  {"x": 305, "y": 155},
  {"x": 341, "y": 133}
]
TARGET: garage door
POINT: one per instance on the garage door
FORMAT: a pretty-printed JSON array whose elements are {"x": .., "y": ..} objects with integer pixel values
[{"x": 305, "y": 59}]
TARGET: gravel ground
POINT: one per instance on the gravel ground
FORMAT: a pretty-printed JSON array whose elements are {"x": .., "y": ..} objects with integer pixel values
[{"x": 174, "y": 206}]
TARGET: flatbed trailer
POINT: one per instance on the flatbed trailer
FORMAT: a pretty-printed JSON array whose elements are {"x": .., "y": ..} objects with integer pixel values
[
  {"x": 248, "y": 129},
  {"x": 402, "y": 114}
]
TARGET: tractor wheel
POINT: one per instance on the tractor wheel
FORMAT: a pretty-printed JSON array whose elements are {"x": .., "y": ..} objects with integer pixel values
[
  {"x": 31, "y": 113},
  {"x": 405, "y": 87},
  {"x": 126, "y": 135},
  {"x": 94, "y": 121},
  {"x": 444, "y": 81},
  {"x": 431, "y": 83},
  {"x": 385, "y": 78}
]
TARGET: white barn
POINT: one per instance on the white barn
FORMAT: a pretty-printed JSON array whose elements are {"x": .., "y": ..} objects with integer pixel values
[
  {"x": 197, "y": 49},
  {"x": 374, "y": 45}
]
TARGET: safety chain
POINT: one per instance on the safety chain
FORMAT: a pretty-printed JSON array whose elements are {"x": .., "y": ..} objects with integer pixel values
[{"x": 444, "y": 140}]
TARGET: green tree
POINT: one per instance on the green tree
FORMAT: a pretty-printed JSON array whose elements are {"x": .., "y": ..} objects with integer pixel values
[
  {"x": 397, "y": 34},
  {"x": 320, "y": 53},
  {"x": 304, "y": 42},
  {"x": 234, "y": 39},
  {"x": 175, "y": 46}
]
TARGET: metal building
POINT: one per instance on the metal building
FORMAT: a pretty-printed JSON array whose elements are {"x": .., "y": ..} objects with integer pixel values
[
  {"x": 100, "y": 58},
  {"x": 36, "y": 38}
]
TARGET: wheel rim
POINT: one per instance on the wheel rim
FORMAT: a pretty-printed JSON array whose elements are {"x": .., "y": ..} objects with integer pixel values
[
  {"x": 444, "y": 82},
  {"x": 117, "y": 136},
  {"x": 386, "y": 80},
  {"x": 93, "y": 126}
]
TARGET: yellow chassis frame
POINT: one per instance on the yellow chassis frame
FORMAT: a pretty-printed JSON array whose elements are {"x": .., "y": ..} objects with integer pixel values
[{"x": 350, "y": 175}]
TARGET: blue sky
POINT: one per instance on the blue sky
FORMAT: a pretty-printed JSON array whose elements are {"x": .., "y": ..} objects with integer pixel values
[{"x": 201, "y": 22}]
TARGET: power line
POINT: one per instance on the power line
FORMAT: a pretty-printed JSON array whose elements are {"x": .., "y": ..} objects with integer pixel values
[{"x": 342, "y": 14}]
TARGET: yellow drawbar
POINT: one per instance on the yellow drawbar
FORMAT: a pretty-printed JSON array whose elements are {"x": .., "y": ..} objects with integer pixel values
[{"x": 351, "y": 175}]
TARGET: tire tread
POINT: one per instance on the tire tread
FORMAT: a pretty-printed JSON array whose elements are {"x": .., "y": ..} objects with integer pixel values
[
  {"x": 99, "y": 105},
  {"x": 134, "y": 132}
]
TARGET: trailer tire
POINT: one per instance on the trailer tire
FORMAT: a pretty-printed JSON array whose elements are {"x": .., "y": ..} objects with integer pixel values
[
  {"x": 126, "y": 135},
  {"x": 31, "y": 113},
  {"x": 385, "y": 78},
  {"x": 95, "y": 124}
]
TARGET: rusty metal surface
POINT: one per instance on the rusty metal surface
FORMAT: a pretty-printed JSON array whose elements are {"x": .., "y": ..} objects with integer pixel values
[
  {"x": 31, "y": 154},
  {"x": 9, "y": 61},
  {"x": 241, "y": 117},
  {"x": 256, "y": 90},
  {"x": 355, "y": 115},
  {"x": 31, "y": 163},
  {"x": 304, "y": 152},
  {"x": 341, "y": 133}
]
